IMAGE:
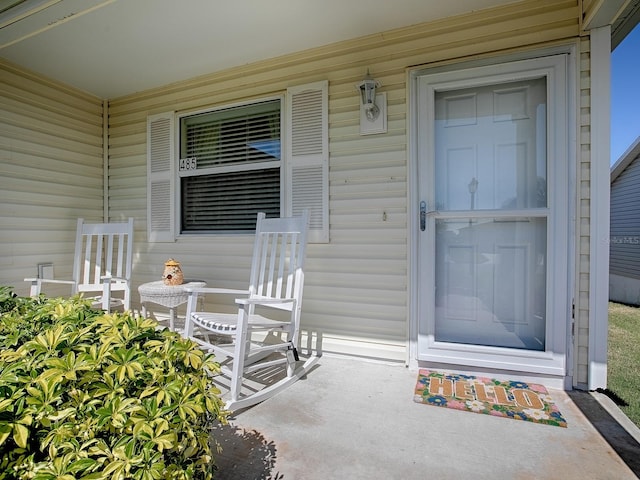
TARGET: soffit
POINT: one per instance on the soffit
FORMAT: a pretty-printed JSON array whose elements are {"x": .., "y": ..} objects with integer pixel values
[{"x": 112, "y": 48}]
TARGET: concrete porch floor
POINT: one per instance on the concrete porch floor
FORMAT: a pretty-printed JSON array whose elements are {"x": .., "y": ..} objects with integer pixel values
[{"x": 354, "y": 419}]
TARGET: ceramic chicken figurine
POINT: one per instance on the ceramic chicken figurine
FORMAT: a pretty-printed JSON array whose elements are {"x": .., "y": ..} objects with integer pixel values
[{"x": 172, "y": 273}]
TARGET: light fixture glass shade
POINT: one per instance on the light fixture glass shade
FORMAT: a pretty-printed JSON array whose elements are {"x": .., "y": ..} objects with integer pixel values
[{"x": 368, "y": 94}]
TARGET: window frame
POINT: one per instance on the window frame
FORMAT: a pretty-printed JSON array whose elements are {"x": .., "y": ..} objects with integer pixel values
[
  {"x": 178, "y": 174},
  {"x": 305, "y": 153}
]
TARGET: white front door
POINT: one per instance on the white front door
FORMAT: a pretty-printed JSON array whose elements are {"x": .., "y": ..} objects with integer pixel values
[{"x": 492, "y": 163}]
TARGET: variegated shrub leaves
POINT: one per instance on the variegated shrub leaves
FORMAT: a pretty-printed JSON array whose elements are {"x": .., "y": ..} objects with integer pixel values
[{"x": 88, "y": 395}]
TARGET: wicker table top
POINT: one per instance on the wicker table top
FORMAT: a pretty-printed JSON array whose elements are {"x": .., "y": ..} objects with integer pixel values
[{"x": 169, "y": 296}]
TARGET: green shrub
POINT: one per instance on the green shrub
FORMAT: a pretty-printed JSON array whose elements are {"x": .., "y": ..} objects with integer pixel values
[{"x": 90, "y": 395}]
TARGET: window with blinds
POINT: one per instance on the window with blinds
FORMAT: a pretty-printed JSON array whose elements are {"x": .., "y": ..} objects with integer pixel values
[{"x": 230, "y": 168}]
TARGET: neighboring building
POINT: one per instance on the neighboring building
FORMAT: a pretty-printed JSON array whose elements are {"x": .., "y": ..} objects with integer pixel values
[
  {"x": 460, "y": 228},
  {"x": 624, "y": 249}
]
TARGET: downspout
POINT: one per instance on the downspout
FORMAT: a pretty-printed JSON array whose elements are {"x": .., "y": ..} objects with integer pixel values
[{"x": 105, "y": 160}]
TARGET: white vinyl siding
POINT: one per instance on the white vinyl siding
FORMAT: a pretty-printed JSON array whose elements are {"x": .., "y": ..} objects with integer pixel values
[
  {"x": 624, "y": 246},
  {"x": 356, "y": 292},
  {"x": 624, "y": 255},
  {"x": 51, "y": 173},
  {"x": 581, "y": 301}
]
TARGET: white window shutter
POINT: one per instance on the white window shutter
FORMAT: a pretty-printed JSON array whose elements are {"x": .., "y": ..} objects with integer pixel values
[
  {"x": 160, "y": 177},
  {"x": 307, "y": 156}
]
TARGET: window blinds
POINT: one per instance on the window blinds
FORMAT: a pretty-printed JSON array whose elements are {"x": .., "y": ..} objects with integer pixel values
[{"x": 237, "y": 152}]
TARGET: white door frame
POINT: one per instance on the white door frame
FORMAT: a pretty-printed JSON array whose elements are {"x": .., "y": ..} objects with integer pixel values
[{"x": 559, "y": 366}]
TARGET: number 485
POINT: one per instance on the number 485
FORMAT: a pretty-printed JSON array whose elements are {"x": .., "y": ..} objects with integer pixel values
[{"x": 188, "y": 163}]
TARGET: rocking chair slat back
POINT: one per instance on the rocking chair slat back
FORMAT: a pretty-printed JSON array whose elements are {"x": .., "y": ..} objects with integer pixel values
[
  {"x": 278, "y": 259},
  {"x": 102, "y": 264}
]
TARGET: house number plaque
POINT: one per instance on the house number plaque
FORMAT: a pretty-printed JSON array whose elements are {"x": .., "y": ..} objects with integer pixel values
[{"x": 187, "y": 164}]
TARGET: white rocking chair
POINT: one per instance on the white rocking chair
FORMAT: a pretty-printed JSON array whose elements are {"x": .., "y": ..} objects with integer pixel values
[
  {"x": 255, "y": 340},
  {"x": 102, "y": 264}
]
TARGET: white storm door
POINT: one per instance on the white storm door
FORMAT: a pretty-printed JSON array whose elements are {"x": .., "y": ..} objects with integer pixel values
[{"x": 489, "y": 218}]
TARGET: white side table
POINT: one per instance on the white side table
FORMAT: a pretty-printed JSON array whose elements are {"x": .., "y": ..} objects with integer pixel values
[{"x": 170, "y": 296}]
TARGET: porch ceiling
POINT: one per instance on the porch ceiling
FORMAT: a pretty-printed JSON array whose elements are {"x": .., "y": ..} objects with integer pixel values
[{"x": 112, "y": 48}]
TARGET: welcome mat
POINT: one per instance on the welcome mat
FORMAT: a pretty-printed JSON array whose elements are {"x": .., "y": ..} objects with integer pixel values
[{"x": 517, "y": 400}]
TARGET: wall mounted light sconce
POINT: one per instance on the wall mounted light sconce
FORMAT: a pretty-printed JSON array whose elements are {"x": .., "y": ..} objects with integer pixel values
[
  {"x": 368, "y": 95},
  {"x": 373, "y": 107}
]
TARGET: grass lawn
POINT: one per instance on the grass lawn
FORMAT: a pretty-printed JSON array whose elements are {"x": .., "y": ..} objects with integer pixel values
[{"x": 624, "y": 357}]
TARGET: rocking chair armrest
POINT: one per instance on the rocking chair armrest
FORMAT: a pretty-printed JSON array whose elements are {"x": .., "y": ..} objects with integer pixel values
[
  {"x": 109, "y": 278},
  {"x": 224, "y": 291},
  {"x": 49, "y": 280},
  {"x": 36, "y": 283},
  {"x": 264, "y": 301}
]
